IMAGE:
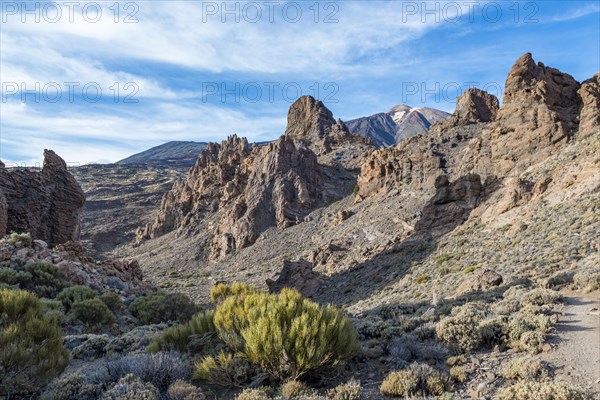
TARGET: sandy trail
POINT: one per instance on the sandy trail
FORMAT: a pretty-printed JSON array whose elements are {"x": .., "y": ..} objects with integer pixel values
[{"x": 576, "y": 352}]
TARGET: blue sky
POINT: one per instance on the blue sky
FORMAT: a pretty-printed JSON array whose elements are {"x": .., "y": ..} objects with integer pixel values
[{"x": 195, "y": 73}]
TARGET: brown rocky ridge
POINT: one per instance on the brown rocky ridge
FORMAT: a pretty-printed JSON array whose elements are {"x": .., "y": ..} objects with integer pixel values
[
  {"x": 254, "y": 187},
  {"x": 45, "y": 203}
]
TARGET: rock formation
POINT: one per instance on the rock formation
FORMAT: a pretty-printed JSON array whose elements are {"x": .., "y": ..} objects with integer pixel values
[
  {"x": 281, "y": 187},
  {"x": 451, "y": 204},
  {"x": 298, "y": 275},
  {"x": 474, "y": 106},
  {"x": 254, "y": 188},
  {"x": 312, "y": 124},
  {"x": 540, "y": 114},
  {"x": 589, "y": 118},
  {"x": 44, "y": 203},
  {"x": 309, "y": 120}
]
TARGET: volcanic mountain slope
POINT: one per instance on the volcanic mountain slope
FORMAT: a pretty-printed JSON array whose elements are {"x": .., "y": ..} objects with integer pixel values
[
  {"x": 492, "y": 196},
  {"x": 399, "y": 123},
  {"x": 176, "y": 153},
  {"x": 119, "y": 199}
]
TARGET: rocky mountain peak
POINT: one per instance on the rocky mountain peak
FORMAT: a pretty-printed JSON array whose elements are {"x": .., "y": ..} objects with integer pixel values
[
  {"x": 309, "y": 121},
  {"x": 475, "y": 105},
  {"x": 530, "y": 84},
  {"x": 308, "y": 118}
]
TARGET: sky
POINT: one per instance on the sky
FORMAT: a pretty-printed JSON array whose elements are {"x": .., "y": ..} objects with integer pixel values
[{"x": 99, "y": 81}]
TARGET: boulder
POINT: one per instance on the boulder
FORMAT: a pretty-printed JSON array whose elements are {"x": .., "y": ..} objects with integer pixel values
[{"x": 484, "y": 279}]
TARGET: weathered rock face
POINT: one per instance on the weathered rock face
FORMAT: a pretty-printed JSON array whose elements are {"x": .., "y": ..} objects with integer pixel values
[
  {"x": 254, "y": 188},
  {"x": 298, "y": 275},
  {"x": 412, "y": 164},
  {"x": 451, "y": 204},
  {"x": 218, "y": 176},
  {"x": 540, "y": 113},
  {"x": 474, "y": 106},
  {"x": 44, "y": 203},
  {"x": 310, "y": 120},
  {"x": 281, "y": 187},
  {"x": 311, "y": 124},
  {"x": 589, "y": 118}
]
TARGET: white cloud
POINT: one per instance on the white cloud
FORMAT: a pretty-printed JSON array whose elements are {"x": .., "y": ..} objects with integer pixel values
[{"x": 88, "y": 136}]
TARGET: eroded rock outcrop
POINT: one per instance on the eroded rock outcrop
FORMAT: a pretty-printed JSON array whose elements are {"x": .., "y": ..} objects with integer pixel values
[
  {"x": 451, "y": 204},
  {"x": 218, "y": 176},
  {"x": 281, "y": 187},
  {"x": 298, "y": 275},
  {"x": 589, "y": 117},
  {"x": 253, "y": 188},
  {"x": 473, "y": 106},
  {"x": 540, "y": 113},
  {"x": 311, "y": 121},
  {"x": 44, "y": 203},
  {"x": 312, "y": 124}
]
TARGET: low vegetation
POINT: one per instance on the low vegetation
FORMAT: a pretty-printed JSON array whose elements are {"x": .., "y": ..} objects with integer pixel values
[
  {"x": 32, "y": 349},
  {"x": 416, "y": 380},
  {"x": 162, "y": 307}
]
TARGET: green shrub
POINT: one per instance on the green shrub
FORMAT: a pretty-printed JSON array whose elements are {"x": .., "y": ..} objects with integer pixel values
[
  {"x": 112, "y": 301},
  {"x": 178, "y": 337},
  {"x": 460, "y": 331},
  {"x": 225, "y": 370},
  {"x": 414, "y": 380},
  {"x": 220, "y": 292},
  {"x": 285, "y": 334},
  {"x": 15, "y": 237},
  {"x": 73, "y": 294},
  {"x": 528, "y": 390},
  {"x": 350, "y": 390},
  {"x": 92, "y": 312},
  {"x": 131, "y": 387},
  {"x": 181, "y": 390},
  {"x": 162, "y": 307},
  {"x": 32, "y": 350},
  {"x": 43, "y": 279}
]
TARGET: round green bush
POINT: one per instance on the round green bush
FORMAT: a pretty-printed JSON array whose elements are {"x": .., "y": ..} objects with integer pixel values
[
  {"x": 92, "y": 312},
  {"x": 285, "y": 334},
  {"x": 73, "y": 294},
  {"x": 32, "y": 348},
  {"x": 163, "y": 307}
]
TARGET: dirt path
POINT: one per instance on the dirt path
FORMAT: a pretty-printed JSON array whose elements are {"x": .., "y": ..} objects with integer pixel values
[{"x": 576, "y": 352}]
